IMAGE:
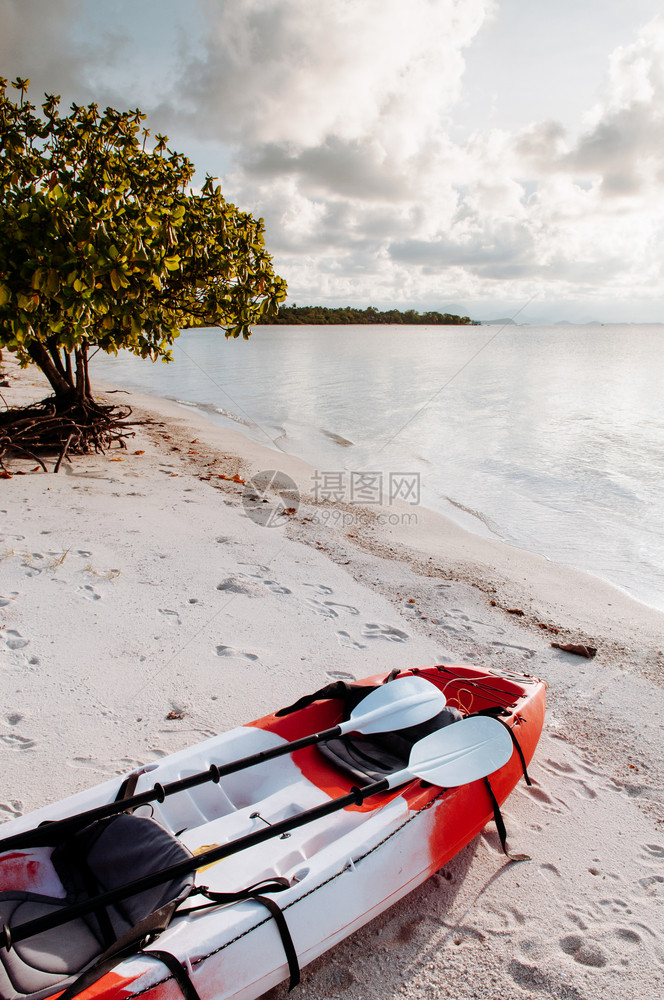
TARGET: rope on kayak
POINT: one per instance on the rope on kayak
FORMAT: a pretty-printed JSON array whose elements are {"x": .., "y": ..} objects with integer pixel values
[{"x": 482, "y": 684}]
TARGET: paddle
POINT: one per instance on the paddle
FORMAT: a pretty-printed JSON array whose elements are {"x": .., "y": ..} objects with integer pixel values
[
  {"x": 404, "y": 702},
  {"x": 460, "y": 753}
]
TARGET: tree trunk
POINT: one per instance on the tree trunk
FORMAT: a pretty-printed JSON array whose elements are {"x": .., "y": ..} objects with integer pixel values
[
  {"x": 82, "y": 377},
  {"x": 88, "y": 390},
  {"x": 54, "y": 351},
  {"x": 62, "y": 387}
]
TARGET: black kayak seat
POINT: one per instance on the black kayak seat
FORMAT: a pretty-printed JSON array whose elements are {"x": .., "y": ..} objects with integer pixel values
[
  {"x": 370, "y": 758},
  {"x": 100, "y": 857}
]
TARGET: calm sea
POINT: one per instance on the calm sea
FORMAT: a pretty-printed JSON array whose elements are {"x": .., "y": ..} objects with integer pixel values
[{"x": 550, "y": 438}]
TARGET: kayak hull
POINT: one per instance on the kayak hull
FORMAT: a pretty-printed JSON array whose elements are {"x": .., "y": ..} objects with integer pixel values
[{"x": 342, "y": 870}]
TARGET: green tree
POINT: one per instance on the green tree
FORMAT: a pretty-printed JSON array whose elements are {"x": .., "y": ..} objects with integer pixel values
[
  {"x": 324, "y": 315},
  {"x": 104, "y": 246}
]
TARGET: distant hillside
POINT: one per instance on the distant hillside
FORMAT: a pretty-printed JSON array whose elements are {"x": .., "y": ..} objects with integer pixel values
[
  {"x": 325, "y": 316},
  {"x": 498, "y": 322}
]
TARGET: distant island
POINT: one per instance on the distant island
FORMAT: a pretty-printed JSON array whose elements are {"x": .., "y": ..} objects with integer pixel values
[{"x": 325, "y": 316}]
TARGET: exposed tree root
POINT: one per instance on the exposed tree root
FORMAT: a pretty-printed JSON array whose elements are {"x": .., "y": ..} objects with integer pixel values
[{"x": 82, "y": 427}]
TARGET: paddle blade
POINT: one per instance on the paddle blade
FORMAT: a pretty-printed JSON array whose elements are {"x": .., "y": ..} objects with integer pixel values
[
  {"x": 404, "y": 702},
  {"x": 463, "y": 752}
]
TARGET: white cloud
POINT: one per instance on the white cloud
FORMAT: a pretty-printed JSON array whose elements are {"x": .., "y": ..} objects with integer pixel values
[
  {"x": 300, "y": 71},
  {"x": 500, "y": 214},
  {"x": 339, "y": 119}
]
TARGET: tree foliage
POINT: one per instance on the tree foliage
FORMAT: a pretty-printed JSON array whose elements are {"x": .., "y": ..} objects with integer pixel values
[
  {"x": 329, "y": 316},
  {"x": 104, "y": 245}
]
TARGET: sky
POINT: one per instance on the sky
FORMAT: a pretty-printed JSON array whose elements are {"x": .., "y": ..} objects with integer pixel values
[{"x": 497, "y": 158}]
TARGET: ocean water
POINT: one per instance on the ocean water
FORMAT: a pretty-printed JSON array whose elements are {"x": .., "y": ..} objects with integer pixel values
[{"x": 549, "y": 438}]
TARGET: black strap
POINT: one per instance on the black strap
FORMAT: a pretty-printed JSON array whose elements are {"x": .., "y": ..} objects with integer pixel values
[
  {"x": 286, "y": 939},
  {"x": 500, "y": 825},
  {"x": 222, "y": 898},
  {"x": 350, "y": 694},
  {"x": 495, "y": 712},
  {"x": 177, "y": 970},
  {"x": 255, "y": 892},
  {"x": 153, "y": 925},
  {"x": 128, "y": 786}
]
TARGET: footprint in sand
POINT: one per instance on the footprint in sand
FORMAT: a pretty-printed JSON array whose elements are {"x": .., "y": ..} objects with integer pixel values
[
  {"x": 331, "y": 609},
  {"x": 583, "y": 952},
  {"x": 339, "y": 675},
  {"x": 320, "y": 588},
  {"x": 321, "y": 608},
  {"x": 616, "y": 905},
  {"x": 344, "y": 639},
  {"x": 172, "y": 616},
  {"x": 547, "y": 803},
  {"x": 13, "y": 808},
  {"x": 579, "y": 787},
  {"x": 232, "y": 651},
  {"x": 376, "y": 630},
  {"x": 628, "y": 940},
  {"x": 89, "y": 593},
  {"x": 527, "y": 652},
  {"x": 259, "y": 571},
  {"x": 14, "y": 639},
  {"x": 276, "y": 588},
  {"x": 17, "y": 742},
  {"x": 346, "y": 608},
  {"x": 457, "y": 622},
  {"x": 651, "y": 884}
]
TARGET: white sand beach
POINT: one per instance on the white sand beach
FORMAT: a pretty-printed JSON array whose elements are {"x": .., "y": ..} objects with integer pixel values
[{"x": 142, "y": 610}]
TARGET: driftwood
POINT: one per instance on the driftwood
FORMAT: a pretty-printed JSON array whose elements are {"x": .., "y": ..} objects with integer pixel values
[
  {"x": 79, "y": 428},
  {"x": 578, "y": 648}
]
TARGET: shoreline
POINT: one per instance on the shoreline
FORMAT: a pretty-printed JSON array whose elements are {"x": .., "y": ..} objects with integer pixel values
[
  {"x": 579, "y": 600},
  {"x": 470, "y": 549},
  {"x": 142, "y": 610},
  {"x": 547, "y": 492}
]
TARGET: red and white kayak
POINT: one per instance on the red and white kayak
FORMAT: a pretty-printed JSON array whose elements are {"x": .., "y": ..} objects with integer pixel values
[{"x": 335, "y": 871}]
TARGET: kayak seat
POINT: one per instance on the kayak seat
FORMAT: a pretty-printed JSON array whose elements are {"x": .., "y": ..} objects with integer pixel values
[
  {"x": 370, "y": 758},
  {"x": 96, "y": 859}
]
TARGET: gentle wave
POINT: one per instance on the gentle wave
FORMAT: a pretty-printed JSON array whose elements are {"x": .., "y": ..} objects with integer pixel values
[
  {"x": 211, "y": 408},
  {"x": 482, "y": 518}
]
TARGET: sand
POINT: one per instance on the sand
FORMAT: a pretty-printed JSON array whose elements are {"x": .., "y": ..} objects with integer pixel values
[{"x": 142, "y": 609}]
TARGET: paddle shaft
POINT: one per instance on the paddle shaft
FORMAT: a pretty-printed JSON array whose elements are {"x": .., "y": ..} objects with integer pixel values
[
  {"x": 43, "y": 835},
  {"x": 405, "y": 702},
  {"x": 51, "y": 920}
]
